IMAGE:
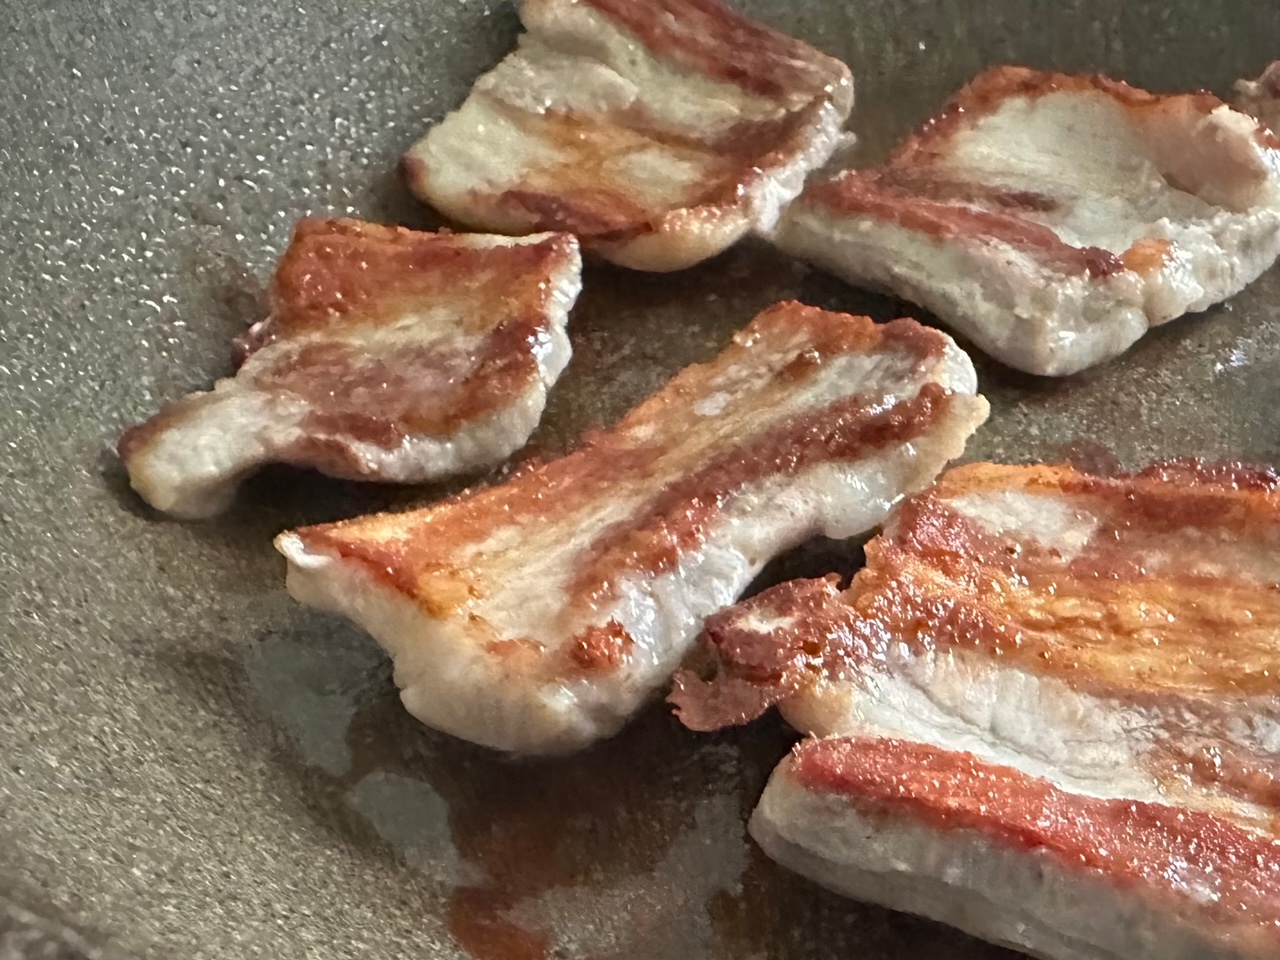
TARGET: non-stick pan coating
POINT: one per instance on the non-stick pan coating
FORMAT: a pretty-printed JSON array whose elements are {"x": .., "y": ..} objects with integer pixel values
[{"x": 192, "y": 765}]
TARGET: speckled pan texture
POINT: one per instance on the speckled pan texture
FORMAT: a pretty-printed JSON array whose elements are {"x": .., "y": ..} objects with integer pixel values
[{"x": 192, "y": 765}]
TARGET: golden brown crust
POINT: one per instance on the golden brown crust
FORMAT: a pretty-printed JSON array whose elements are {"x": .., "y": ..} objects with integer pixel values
[
  {"x": 590, "y": 194},
  {"x": 1131, "y": 844},
  {"x": 1103, "y": 617},
  {"x": 340, "y": 282},
  {"x": 1146, "y": 612},
  {"x": 1166, "y": 496},
  {"x": 349, "y": 273},
  {"x": 711, "y": 38},
  {"x": 684, "y": 468}
]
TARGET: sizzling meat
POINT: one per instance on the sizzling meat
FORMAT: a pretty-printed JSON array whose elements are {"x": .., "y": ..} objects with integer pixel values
[
  {"x": 1053, "y": 219},
  {"x": 1018, "y": 860},
  {"x": 1089, "y": 647},
  {"x": 1261, "y": 97},
  {"x": 1120, "y": 632},
  {"x": 658, "y": 131},
  {"x": 537, "y": 615},
  {"x": 388, "y": 355}
]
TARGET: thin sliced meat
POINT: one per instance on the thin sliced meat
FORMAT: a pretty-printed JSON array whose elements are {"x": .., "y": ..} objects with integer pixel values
[
  {"x": 389, "y": 355},
  {"x": 1017, "y": 860},
  {"x": 658, "y": 131},
  {"x": 536, "y": 616},
  {"x": 1121, "y": 635},
  {"x": 1062, "y": 692},
  {"x": 1053, "y": 219},
  {"x": 1261, "y": 98}
]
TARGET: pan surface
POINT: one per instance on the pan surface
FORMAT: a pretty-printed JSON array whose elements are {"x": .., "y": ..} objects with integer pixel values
[{"x": 191, "y": 765}]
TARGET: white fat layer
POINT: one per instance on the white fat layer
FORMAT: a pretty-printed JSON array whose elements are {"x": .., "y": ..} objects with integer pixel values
[
  {"x": 1017, "y": 897},
  {"x": 1112, "y": 178},
  {"x": 1041, "y": 725},
  {"x": 1066, "y": 525},
  {"x": 532, "y": 606},
  {"x": 576, "y": 62},
  {"x": 1004, "y": 300},
  {"x": 1052, "y": 522},
  {"x": 1079, "y": 146},
  {"x": 192, "y": 468},
  {"x": 451, "y": 681},
  {"x": 835, "y": 500},
  {"x": 679, "y": 100}
]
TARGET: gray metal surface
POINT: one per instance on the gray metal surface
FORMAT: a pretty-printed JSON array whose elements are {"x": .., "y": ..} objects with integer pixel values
[{"x": 195, "y": 766}]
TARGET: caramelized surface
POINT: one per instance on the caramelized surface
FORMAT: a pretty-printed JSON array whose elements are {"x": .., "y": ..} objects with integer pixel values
[
  {"x": 387, "y": 333},
  {"x": 635, "y": 499},
  {"x": 345, "y": 274},
  {"x": 590, "y": 191},
  {"x": 1158, "y": 591},
  {"x": 1173, "y": 591},
  {"x": 1208, "y": 865}
]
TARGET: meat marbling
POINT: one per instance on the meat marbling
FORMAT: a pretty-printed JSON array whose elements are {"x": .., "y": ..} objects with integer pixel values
[
  {"x": 537, "y": 615},
  {"x": 1053, "y": 219},
  {"x": 1068, "y": 653},
  {"x": 388, "y": 355},
  {"x": 658, "y": 131},
  {"x": 1017, "y": 860}
]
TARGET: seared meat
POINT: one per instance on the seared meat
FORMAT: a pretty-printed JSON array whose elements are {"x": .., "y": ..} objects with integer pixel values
[
  {"x": 658, "y": 131},
  {"x": 1039, "y": 645},
  {"x": 1119, "y": 631},
  {"x": 1019, "y": 860},
  {"x": 1261, "y": 97},
  {"x": 538, "y": 615},
  {"x": 388, "y": 355},
  {"x": 1053, "y": 219}
]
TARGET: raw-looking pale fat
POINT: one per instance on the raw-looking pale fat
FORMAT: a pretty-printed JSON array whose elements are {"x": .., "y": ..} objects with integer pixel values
[
  {"x": 537, "y": 615},
  {"x": 389, "y": 355},
  {"x": 657, "y": 131},
  {"x": 1108, "y": 646},
  {"x": 1053, "y": 219}
]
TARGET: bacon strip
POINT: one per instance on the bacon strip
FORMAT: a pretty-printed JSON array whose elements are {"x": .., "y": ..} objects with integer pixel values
[{"x": 1123, "y": 633}]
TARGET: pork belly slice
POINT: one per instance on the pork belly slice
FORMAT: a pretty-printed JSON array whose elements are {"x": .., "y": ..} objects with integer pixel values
[
  {"x": 658, "y": 131},
  {"x": 1261, "y": 98},
  {"x": 388, "y": 355},
  {"x": 537, "y": 615},
  {"x": 1053, "y": 219},
  {"x": 1119, "y": 635},
  {"x": 1017, "y": 860}
]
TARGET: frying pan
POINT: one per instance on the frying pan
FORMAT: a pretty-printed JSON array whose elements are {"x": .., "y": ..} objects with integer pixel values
[{"x": 191, "y": 765}]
